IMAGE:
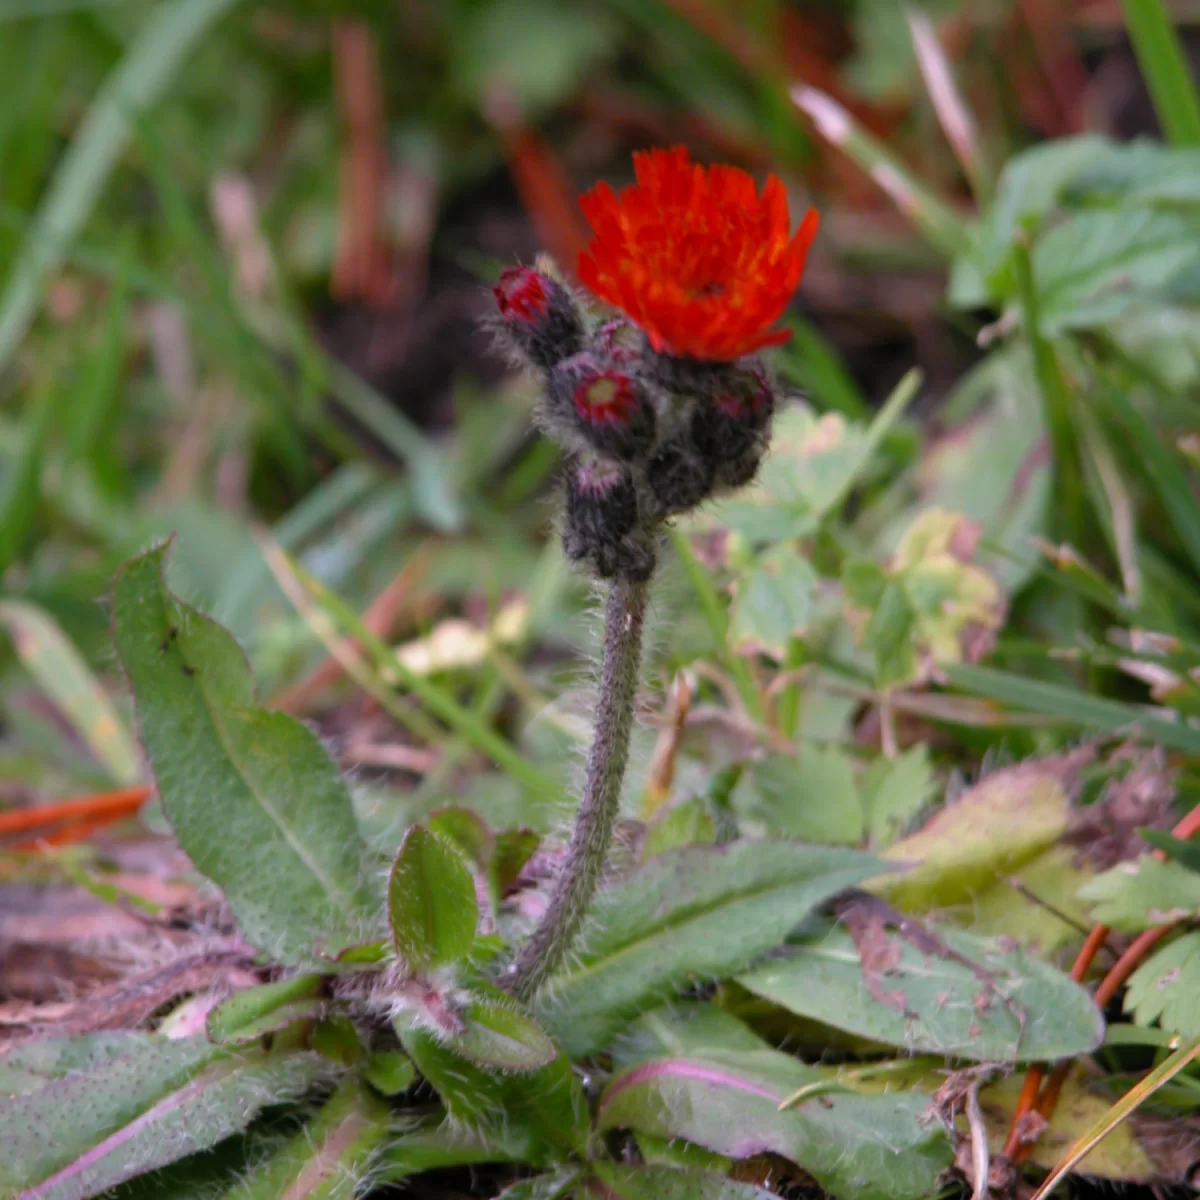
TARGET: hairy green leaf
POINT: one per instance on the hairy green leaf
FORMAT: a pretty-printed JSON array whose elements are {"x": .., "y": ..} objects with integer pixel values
[
  {"x": 91, "y": 1129},
  {"x": 255, "y": 800},
  {"x": 701, "y": 912},
  {"x": 330, "y": 1158},
  {"x": 431, "y": 902},
  {"x": 250, "y": 1013}
]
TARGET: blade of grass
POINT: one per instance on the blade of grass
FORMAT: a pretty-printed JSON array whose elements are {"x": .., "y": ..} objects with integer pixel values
[
  {"x": 1128, "y": 1104},
  {"x": 1162, "y": 469},
  {"x": 718, "y": 623},
  {"x": 16, "y": 10},
  {"x": 955, "y": 118},
  {"x": 1072, "y": 707},
  {"x": 809, "y": 361},
  {"x": 66, "y": 679},
  {"x": 21, "y": 484},
  {"x": 149, "y": 65},
  {"x": 891, "y": 412},
  {"x": 345, "y": 653},
  {"x": 1165, "y": 68},
  {"x": 1056, "y": 399},
  {"x": 942, "y": 227},
  {"x": 389, "y": 670}
]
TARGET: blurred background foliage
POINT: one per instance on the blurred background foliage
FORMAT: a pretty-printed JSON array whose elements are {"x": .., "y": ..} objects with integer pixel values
[{"x": 245, "y": 251}]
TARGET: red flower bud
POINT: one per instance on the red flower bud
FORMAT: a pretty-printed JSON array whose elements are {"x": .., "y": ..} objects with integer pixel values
[
  {"x": 605, "y": 407},
  {"x": 539, "y": 316}
]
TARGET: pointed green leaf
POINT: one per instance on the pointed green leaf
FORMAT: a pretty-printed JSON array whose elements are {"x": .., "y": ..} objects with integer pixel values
[
  {"x": 61, "y": 672},
  {"x": 701, "y": 912},
  {"x": 497, "y": 1035},
  {"x": 431, "y": 902},
  {"x": 255, "y": 800}
]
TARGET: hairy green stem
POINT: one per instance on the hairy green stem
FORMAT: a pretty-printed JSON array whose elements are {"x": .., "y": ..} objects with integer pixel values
[{"x": 548, "y": 945}]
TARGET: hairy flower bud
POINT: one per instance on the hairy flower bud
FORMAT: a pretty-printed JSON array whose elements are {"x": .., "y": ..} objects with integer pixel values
[
  {"x": 590, "y": 399},
  {"x": 730, "y": 427},
  {"x": 679, "y": 477},
  {"x": 601, "y": 522},
  {"x": 539, "y": 316}
]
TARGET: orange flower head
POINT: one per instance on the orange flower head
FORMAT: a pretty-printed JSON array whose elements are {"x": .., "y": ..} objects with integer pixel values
[{"x": 697, "y": 257}]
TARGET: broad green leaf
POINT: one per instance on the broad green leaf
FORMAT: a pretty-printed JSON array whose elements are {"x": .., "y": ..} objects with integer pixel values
[
  {"x": 389, "y": 1072},
  {"x": 672, "y": 1152},
  {"x": 894, "y": 791},
  {"x": 330, "y": 1158},
  {"x": 253, "y": 1011},
  {"x": 30, "y": 1065},
  {"x": 1166, "y": 988},
  {"x": 667, "y": 1183},
  {"x": 497, "y": 1035},
  {"x": 858, "y": 1147},
  {"x": 335, "y": 1037},
  {"x": 773, "y": 601},
  {"x": 701, "y": 912},
  {"x": 978, "y": 1001},
  {"x": 252, "y": 795},
  {"x": 91, "y": 1129},
  {"x": 989, "y": 832},
  {"x": 1028, "y": 188},
  {"x": 1137, "y": 895},
  {"x": 1092, "y": 268},
  {"x": 431, "y": 902},
  {"x": 811, "y": 796},
  {"x": 60, "y": 671},
  {"x": 686, "y": 823}
]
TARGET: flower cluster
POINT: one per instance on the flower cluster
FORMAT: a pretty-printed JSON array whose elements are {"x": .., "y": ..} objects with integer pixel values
[{"x": 666, "y": 406}]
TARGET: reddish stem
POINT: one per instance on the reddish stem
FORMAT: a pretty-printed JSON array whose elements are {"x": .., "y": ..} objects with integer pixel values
[{"x": 1044, "y": 1100}]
